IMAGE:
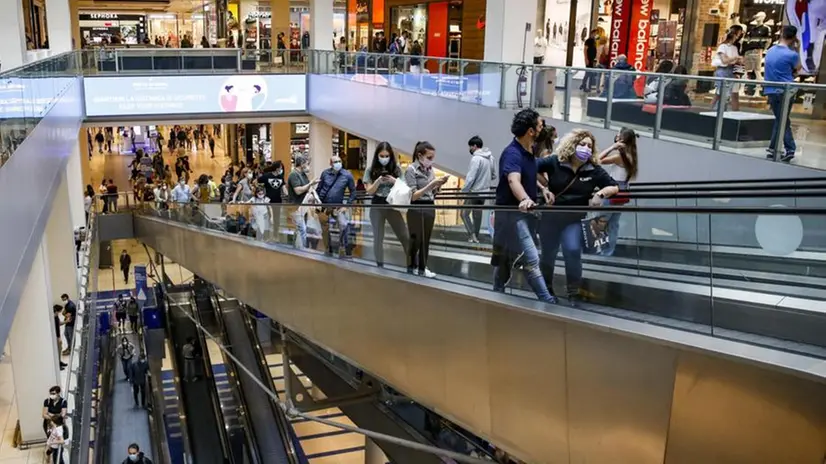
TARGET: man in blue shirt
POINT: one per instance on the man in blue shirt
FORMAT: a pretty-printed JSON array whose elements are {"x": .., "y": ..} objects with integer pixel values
[
  {"x": 514, "y": 231},
  {"x": 782, "y": 63},
  {"x": 331, "y": 187}
]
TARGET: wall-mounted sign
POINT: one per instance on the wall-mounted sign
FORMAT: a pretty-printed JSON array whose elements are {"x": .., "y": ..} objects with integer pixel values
[
  {"x": 110, "y": 16},
  {"x": 301, "y": 128},
  {"x": 259, "y": 15},
  {"x": 103, "y": 16}
]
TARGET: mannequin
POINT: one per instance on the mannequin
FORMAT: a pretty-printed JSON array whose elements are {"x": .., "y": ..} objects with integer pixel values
[
  {"x": 758, "y": 38},
  {"x": 540, "y": 44}
]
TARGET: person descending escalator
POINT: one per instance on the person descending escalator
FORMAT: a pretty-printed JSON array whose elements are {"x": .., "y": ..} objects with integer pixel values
[
  {"x": 481, "y": 174},
  {"x": 188, "y": 352},
  {"x": 135, "y": 455}
]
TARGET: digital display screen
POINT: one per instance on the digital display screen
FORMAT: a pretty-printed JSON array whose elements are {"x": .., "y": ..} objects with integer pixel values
[{"x": 150, "y": 95}]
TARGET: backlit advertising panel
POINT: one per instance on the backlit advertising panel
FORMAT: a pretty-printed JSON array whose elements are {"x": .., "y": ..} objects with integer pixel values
[
  {"x": 164, "y": 95},
  {"x": 640, "y": 33}
]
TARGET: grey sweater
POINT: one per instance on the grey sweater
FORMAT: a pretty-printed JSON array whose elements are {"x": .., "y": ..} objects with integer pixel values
[{"x": 482, "y": 172}]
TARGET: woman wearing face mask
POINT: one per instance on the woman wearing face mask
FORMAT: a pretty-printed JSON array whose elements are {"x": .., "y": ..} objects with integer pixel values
[
  {"x": 379, "y": 179},
  {"x": 260, "y": 212},
  {"x": 424, "y": 184},
  {"x": 574, "y": 178},
  {"x": 243, "y": 191},
  {"x": 54, "y": 405},
  {"x": 162, "y": 197},
  {"x": 57, "y": 439},
  {"x": 620, "y": 162}
]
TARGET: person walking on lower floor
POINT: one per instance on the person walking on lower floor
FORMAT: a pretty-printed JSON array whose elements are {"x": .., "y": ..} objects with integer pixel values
[
  {"x": 479, "y": 177},
  {"x": 379, "y": 178},
  {"x": 137, "y": 375},
  {"x": 782, "y": 64},
  {"x": 423, "y": 183},
  {"x": 125, "y": 352},
  {"x": 125, "y": 264}
]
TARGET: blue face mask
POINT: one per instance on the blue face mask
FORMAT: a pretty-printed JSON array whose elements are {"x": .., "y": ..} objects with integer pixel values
[
  {"x": 337, "y": 166},
  {"x": 384, "y": 161}
]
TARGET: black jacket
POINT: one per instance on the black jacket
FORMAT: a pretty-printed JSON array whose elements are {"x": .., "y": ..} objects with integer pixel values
[{"x": 141, "y": 460}]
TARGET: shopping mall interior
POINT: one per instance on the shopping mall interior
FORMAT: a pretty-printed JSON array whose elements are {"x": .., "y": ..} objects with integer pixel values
[{"x": 412, "y": 231}]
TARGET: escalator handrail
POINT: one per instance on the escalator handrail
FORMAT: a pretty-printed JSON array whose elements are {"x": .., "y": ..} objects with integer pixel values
[
  {"x": 213, "y": 390},
  {"x": 264, "y": 373},
  {"x": 249, "y": 430},
  {"x": 708, "y": 182}
]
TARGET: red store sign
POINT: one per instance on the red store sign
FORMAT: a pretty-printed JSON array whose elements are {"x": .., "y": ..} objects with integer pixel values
[
  {"x": 640, "y": 33},
  {"x": 620, "y": 20}
]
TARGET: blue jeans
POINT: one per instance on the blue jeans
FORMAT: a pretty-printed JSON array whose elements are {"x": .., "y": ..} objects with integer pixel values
[
  {"x": 553, "y": 232},
  {"x": 300, "y": 229},
  {"x": 528, "y": 259},
  {"x": 776, "y": 104}
]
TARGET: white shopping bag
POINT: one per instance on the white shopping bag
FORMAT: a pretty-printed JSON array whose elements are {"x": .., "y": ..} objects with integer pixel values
[
  {"x": 310, "y": 203},
  {"x": 399, "y": 195}
]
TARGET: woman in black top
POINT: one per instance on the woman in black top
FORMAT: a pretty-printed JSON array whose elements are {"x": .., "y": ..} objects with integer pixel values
[
  {"x": 54, "y": 405},
  {"x": 574, "y": 178},
  {"x": 379, "y": 179}
]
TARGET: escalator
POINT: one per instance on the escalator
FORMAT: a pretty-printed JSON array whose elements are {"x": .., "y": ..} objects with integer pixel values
[
  {"x": 203, "y": 416},
  {"x": 536, "y": 379},
  {"x": 270, "y": 441}
]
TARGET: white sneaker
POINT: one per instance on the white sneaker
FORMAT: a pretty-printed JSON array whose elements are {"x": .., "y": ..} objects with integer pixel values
[{"x": 427, "y": 273}]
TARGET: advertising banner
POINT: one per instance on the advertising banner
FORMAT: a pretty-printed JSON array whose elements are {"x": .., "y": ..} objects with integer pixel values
[
  {"x": 29, "y": 97},
  {"x": 164, "y": 95},
  {"x": 640, "y": 33},
  {"x": 620, "y": 22},
  {"x": 809, "y": 16}
]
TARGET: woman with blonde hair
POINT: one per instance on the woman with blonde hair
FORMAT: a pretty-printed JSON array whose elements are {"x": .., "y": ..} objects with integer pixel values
[{"x": 574, "y": 178}]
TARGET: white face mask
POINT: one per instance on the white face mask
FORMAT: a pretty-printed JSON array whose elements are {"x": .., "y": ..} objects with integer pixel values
[
  {"x": 249, "y": 175},
  {"x": 133, "y": 457},
  {"x": 426, "y": 162},
  {"x": 384, "y": 160},
  {"x": 337, "y": 166},
  {"x": 279, "y": 172},
  {"x": 53, "y": 397},
  {"x": 260, "y": 195}
]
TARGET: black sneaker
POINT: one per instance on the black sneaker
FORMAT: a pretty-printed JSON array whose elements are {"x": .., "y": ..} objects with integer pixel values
[
  {"x": 575, "y": 301},
  {"x": 788, "y": 157}
]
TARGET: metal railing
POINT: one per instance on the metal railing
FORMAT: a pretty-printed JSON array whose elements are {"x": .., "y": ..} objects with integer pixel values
[
  {"x": 656, "y": 104},
  {"x": 119, "y": 60}
]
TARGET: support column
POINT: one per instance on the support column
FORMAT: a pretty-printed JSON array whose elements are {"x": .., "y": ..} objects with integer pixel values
[
  {"x": 372, "y": 453},
  {"x": 321, "y": 147},
  {"x": 505, "y": 41},
  {"x": 321, "y": 24},
  {"x": 85, "y": 158},
  {"x": 75, "y": 185},
  {"x": 371, "y": 151},
  {"x": 59, "y": 238},
  {"x": 280, "y": 135},
  {"x": 33, "y": 347},
  {"x": 74, "y": 23},
  {"x": 231, "y": 141},
  {"x": 13, "y": 43},
  {"x": 59, "y": 21},
  {"x": 280, "y": 23}
]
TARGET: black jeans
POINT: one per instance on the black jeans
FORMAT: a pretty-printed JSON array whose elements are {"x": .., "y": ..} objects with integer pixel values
[
  {"x": 473, "y": 218},
  {"x": 139, "y": 389},
  {"x": 125, "y": 364},
  {"x": 378, "y": 217},
  {"x": 420, "y": 227}
]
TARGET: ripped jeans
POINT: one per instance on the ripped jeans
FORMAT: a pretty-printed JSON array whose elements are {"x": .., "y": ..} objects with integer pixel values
[{"x": 527, "y": 256}]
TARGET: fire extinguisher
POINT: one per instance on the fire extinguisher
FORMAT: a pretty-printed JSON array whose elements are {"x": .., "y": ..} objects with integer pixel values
[{"x": 521, "y": 85}]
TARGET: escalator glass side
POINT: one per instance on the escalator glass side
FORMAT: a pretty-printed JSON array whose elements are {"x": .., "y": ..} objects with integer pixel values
[
  {"x": 201, "y": 421},
  {"x": 624, "y": 263}
]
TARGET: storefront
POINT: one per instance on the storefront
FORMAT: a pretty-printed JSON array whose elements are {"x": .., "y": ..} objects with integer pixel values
[{"x": 97, "y": 27}]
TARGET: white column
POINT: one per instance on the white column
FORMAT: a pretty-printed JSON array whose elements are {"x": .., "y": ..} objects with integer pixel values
[
  {"x": 13, "y": 36},
  {"x": 371, "y": 150},
  {"x": 505, "y": 41},
  {"x": 74, "y": 182},
  {"x": 60, "y": 242},
  {"x": 372, "y": 453},
  {"x": 321, "y": 146},
  {"x": 59, "y": 20},
  {"x": 33, "y": 347},
  {"x": 321, "y": 24}
]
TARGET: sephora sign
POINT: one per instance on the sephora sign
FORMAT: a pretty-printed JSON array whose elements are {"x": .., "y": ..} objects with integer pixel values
[{"x": 630, "y": 31}]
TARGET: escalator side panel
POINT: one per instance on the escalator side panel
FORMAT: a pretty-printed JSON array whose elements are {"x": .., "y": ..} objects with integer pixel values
[{"x": 444, "y": 345}]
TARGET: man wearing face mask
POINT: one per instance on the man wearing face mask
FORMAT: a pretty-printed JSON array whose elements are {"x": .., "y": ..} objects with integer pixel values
[
  {"x": 125, "y": 352},
  {"x": 332, "y": 185},
  {"x": 574, "y": 178},
  {"x": 479, "y": 177},
  {"x": 54, "y": 405},
  {"x": 137, "y": 375},
  {"x": 273, "y": 182},
  {"x": 298, "y": 184},
  {"x": 135, "y": 455},
  {"x": 69, "y": 314},
  {"x": 181, "y": 194}
]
